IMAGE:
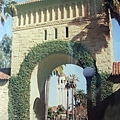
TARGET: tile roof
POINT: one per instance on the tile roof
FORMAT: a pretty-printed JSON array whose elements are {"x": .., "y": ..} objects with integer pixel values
[
  {"x": 4, "y": 76},
  {"x": 116, "y": 68},
  {"x": 115, "y": 75}
]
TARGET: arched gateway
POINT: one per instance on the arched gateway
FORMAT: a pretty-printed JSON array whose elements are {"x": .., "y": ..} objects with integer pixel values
[
  {"x": 43, "y": 58},
  {"x": 56, "y": 32}
]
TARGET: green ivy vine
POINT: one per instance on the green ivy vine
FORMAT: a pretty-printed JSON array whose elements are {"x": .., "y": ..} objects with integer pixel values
[{"x": 19, "y": 85}]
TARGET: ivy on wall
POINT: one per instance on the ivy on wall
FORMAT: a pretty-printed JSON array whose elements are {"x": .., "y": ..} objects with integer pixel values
[{"x": 19, "y": 85}]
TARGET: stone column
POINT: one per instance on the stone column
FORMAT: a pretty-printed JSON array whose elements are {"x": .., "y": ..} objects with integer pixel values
[
  {"x": 48, "y": 16},
  {"x": 65, "y": 14},
  {"x": 76, "y": 9},
  {"x": 83, "y": 9},
  {"x": 26, "y": 19},
  {"x": 42, "y": 16},
  {"x": 53, "y": 14},
  {"x": 59, "y": 13},
  {"x": 37, "y": 17},
  {"x": 31, "y": 17},
  {"x": 71, "y": 12},
  {"x": 21, "y": 22}
]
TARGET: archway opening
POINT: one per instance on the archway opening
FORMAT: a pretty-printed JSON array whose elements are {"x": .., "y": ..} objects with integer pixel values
[{"x": 41, "y": 60}]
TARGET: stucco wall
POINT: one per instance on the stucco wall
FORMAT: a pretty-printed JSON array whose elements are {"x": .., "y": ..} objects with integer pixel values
[{"x": 3, "y": 100}]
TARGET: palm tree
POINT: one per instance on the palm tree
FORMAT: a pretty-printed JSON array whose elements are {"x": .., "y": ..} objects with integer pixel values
[
  {"x": 56, "y": 71},
  {"x": 81, "y": 102},
  {"x": 9, "y": 9},
  {"x": 81, "y": 97},
  {"x": 67, "y": 86},
  {"x": 71, "y": 84},
  {"x": 114, "y": 7}
]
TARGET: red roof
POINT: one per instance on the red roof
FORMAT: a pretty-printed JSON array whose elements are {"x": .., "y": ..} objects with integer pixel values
[
  {"x": 116, "y": 68},
  {"x": 4, "y": 76},
  {"x": 115, "y": 75}
]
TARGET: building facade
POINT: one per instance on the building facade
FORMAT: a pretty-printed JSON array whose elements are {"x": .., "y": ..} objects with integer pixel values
[
  {"x": 81, "y": 21},
  {"x": 40, "y": 21}
]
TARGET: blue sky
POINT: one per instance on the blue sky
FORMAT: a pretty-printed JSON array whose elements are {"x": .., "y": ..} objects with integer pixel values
[
  {"x": 116, "y": 40},
  {"x": 68, "y": 69}
]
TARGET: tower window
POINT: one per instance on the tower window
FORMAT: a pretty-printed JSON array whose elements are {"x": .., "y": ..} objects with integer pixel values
[
  {"x": 55, "y": 33},
  {"x": 45, "y": 33},
  {"x": 67, "y": 33}
]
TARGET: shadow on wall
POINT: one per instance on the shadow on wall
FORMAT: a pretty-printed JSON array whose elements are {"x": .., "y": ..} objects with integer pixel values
[
  {"x": 108, "y": 109},
  {"x": 37, "y": 108},
  {"x": 113, "y": 109},
  {"x": 94, "y": 35}
]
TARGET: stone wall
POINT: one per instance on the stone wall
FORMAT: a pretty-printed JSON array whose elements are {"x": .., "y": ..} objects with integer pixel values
[
  {"x": 78, "y": 21},
  {"x": 3, "y": 101},
  {"x": 93, "y": 32}
]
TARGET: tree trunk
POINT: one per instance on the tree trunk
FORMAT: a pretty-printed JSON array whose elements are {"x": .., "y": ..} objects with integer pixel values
[
  {"x": 72, "y": 105},
  {"x": 47, "y": 96},
  {"x": 67, "y": 115}
]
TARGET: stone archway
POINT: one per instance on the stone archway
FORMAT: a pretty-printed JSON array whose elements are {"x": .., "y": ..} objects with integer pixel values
[{"x": 48, "y": 56}]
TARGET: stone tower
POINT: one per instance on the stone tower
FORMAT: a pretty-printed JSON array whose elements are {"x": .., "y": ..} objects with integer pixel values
[
  {"x": 61, "y": 91},
  {"x": 40, "y": 21},
  {"x": 78, "y": 20}
]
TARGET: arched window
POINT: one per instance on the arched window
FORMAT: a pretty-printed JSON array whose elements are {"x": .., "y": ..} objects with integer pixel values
[
  {"x": 85, "y": 8},
  {"x": 29, "y": 17},
  {"x": 39, "y": 15},
  {"x": 56, "y": 12},
  {"x": 73, "y": 10},
  {"x": 45, "y": 14},
  {"x": 34, "y": 16},
  {"x": 62, "y": 11},
  {"x": 79, "y": 6},
  {"x": 50, "y": 14},
  {"x": 67, "y": 11},
  {"x": 19, "y": 19}
]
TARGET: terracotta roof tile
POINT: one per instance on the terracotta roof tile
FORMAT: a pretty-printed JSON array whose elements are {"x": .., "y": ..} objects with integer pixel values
[
  {"x": 4, "y": 76},
  {"x": 115, "y": 75},
  {"x": 116, "y": 68},
  {"x": 54, "y": 108}
]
